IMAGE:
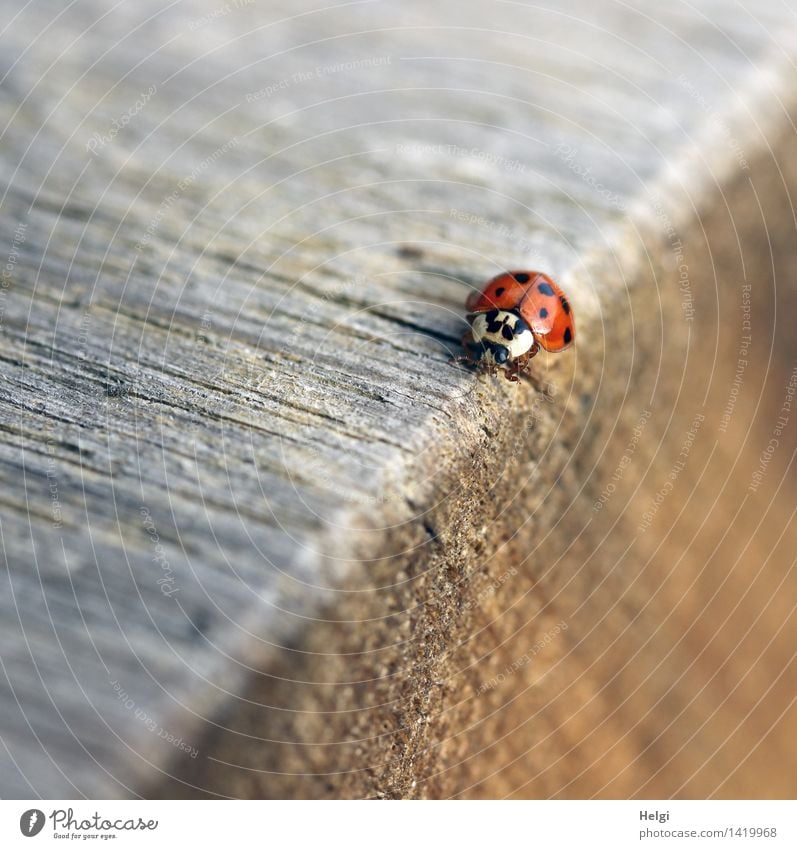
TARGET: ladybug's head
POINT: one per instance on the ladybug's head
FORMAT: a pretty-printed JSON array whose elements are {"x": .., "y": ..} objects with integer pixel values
[{"x": 499, "y": 337}]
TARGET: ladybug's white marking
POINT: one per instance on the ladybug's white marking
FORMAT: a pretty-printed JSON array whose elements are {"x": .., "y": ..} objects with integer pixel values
[{"x": 503, "y": 335}]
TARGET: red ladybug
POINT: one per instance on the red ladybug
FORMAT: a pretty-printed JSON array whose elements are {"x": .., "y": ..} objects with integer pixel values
[{"x": 515, "y": 315}]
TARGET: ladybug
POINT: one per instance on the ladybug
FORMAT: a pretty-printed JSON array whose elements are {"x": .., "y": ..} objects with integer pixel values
[{"x": 516, "y": 314}]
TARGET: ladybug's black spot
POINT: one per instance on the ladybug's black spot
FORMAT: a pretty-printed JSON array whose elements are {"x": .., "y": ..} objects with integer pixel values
[
  {"x": 545, "y": 289},
  {"x": 493, "y": 325},
  {"x": 543, "y": 313},
  {"x": 506, "y": 332},
  {"x": 568, "y": 336},
  {"x": 499, "y": 291},
  {"x": 565, "y": 305},
  {"x": 522, "y": 278}
]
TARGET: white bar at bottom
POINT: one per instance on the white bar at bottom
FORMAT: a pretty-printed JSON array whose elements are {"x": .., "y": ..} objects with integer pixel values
[{"x": 400, "y": 825}]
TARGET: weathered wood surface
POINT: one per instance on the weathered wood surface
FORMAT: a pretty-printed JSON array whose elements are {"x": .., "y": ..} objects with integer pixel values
[{"x": 261, "y": 538}]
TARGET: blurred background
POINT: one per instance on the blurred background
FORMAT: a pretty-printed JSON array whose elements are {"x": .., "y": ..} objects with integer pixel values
[{"x": 260, "y": 537}]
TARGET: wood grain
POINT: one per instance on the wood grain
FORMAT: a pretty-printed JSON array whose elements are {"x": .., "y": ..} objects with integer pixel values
[{"x": 261, "y": 538}]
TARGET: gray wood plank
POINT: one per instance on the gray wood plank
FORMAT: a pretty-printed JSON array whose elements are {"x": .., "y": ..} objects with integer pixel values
[{"x": 226, "y": 326}]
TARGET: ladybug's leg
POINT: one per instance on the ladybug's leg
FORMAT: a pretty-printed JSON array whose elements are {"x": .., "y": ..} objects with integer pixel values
[
  {"x": 517, "y": 368},
  {"x": 467, "y": 341},
  {"x": 524, "y": 361},
  {"x": 536, "y": 382}
]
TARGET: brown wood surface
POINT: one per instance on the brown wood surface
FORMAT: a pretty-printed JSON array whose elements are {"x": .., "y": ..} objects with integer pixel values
[{"x": 260, "y": 537}]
